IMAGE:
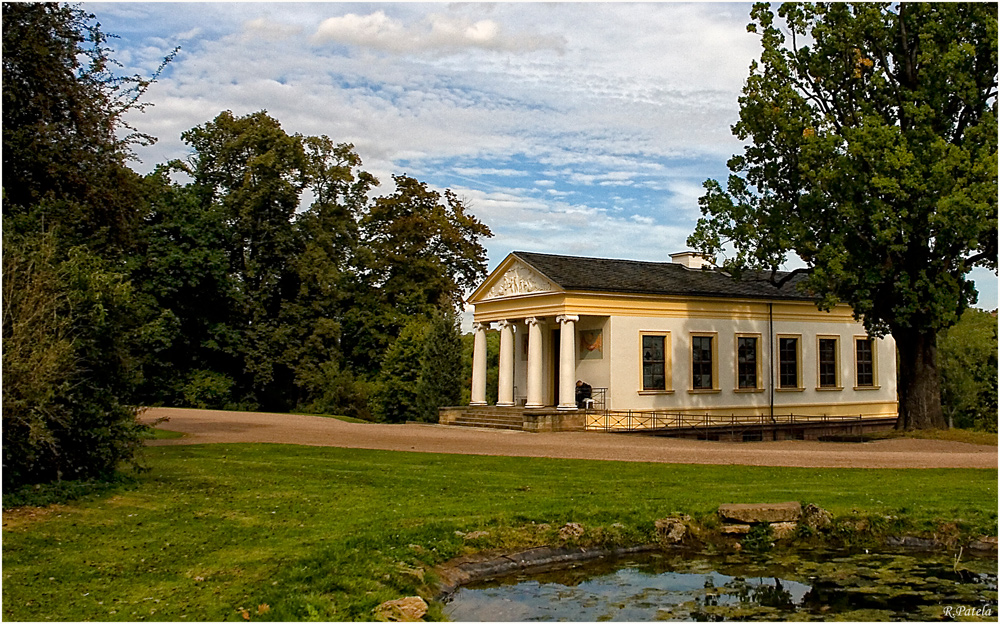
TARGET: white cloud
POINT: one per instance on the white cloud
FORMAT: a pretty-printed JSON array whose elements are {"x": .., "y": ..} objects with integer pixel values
[
  {"x": 190, "y": 34},
  {"x": 488, "y": 171},
  {"x": 435, "y": 33},
  {"x": 269, "y": 30},
  {"x": 520, "y": 222},
  {"x": 619, "y": 111}
]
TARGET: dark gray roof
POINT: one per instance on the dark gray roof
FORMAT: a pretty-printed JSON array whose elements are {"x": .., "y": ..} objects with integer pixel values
[{"x": 657, "y": 278}]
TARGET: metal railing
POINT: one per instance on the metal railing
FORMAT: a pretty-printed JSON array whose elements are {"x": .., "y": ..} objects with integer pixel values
[
  {"x": 643, "y": 420},
  {"x": 598, "y": 401}
]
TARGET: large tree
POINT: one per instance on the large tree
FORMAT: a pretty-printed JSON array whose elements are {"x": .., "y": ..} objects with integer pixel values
[
  {"x": 70, "y": 204},
  {"x": 419, "y": 250},
  {"x": 65, "y": 142},
  {"x": 871, "y": 134}
]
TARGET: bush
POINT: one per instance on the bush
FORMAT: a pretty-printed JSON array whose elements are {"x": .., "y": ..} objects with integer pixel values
[
  {"x": 395, "y": 397},
  {"x": 68, "y": 365},
  {"x": 967, "y": 364},
  {"x": 337, "y": 392},
  {"x": 441, "y": 380},
  {"x": 422, "y": 371},
  {"x": 208, "y": 389}
]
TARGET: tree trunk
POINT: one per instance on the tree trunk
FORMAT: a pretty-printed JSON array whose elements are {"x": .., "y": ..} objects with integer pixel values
[{"x": 919, "y": 388}]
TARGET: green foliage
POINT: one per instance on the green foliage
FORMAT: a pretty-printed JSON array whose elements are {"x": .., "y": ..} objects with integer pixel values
[
  {"x": 396, "y": 397},
  {"x": 759, "y": 539},
  {"x": 422, "y": 371},
  {"x": 62, "y": 492},
  {"x": 441, "y": 377},
  {"x": 967, "y": 360},
  {"x": 71, "y": 329},
  {"x": 220, "y": 291},
  {"x": 63, "y": 160},
  {"x": 288, "y": 308},
  {"x": 206, "y": 388},
  {"x": 336, "y": 391},
  {"x": 423, "y": 248},
  {"x": 68, "y": 364},
  {"x": 418, "y": 251},
  {"x": 872, "y": 155}
]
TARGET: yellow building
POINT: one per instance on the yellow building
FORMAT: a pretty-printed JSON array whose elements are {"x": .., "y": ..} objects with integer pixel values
[{"x": 676, "y": 338}]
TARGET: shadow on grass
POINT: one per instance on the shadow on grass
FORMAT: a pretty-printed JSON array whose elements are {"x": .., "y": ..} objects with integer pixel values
[{"x": 44, "y": 494}]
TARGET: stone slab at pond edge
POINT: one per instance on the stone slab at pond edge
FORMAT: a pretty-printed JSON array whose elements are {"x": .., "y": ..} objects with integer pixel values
[
  {"x": 754, "y": 513},
  {"x": 486, "y": 565}
]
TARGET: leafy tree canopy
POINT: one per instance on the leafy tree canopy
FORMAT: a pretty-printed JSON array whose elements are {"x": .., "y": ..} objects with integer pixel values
[
  {"x": 71, "y": 356},
  {"x": 871, "y": 155},
  {"x": 63, "y": 106},
  {"x": 968, "y": 364}
]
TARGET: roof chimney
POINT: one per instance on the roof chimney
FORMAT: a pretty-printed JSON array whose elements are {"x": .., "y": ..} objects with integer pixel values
[{"x": 692, "y": 260}]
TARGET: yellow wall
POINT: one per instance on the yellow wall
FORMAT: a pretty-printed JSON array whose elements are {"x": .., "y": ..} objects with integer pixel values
[{"x": 624, "y": 318}]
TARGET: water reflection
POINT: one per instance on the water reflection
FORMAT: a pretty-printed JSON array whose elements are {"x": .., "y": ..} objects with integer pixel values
[{"x": 800, "y": 586}]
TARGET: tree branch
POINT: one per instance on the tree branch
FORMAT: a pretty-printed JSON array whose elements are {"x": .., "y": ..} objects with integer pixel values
[{"x": 784, "y": 280}]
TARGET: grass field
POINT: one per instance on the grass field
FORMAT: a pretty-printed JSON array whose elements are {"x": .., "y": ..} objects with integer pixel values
[{"x": 273, "y": 532}]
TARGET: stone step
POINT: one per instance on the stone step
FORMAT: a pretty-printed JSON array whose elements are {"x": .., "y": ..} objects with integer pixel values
[
  {"x": 496, "y": 411},
  {"x": 498, "y": 415},
  {"x": 491, "y": 423},
  {"x": 482, "y": 425},
  {"x": 484, "y": 418},
  {"x": 504, "y": 417}
]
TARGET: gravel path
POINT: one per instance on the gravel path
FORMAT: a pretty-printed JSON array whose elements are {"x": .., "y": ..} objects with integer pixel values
[{"x": 210, "y": 426}]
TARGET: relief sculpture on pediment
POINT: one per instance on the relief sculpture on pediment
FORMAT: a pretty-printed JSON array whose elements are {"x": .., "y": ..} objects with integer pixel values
[{"x": 519, "y": 280}]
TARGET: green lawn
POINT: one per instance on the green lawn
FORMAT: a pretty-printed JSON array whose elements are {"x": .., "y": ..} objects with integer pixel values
[
  {"x": 274, "y": 532},
  {"x": 164, "y": 434}
]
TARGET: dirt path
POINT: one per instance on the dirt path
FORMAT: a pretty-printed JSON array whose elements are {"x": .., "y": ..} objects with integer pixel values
[{"x": 209, "y": 426}]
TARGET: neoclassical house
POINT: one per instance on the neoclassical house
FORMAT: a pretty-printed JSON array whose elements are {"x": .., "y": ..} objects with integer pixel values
[{"x": 674, "y": 337}]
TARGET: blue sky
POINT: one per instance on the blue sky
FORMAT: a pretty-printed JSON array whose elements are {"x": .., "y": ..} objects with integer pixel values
[{"x": 582, "y": 129}]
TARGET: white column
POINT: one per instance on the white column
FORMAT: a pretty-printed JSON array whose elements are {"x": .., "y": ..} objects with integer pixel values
[
  {"x": 506, "y": 385},
  {"x": 567, "y": 361},
  {"x": 479, "y": 364},
  {"x": 534, "y": 363}
]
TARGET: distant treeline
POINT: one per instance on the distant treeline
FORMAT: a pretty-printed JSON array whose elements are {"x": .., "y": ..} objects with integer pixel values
[{"x": 264, "y": 271}]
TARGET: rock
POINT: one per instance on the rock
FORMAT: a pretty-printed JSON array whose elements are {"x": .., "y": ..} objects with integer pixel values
[
  {"x": 735, "y": 529},
  {"x": 571, "y": 530},
  {"x": 672, "y": 530},
  {"x": 816, "y": 517},
  {"x": 916, "y": 543},
  {"x": 417, "y": 573},
  {"x": 783, "y": 530},
  {"x": 984, "y": 543},
  {"x": 759, "y": 513},
  {"x": 409, "y": 609}
]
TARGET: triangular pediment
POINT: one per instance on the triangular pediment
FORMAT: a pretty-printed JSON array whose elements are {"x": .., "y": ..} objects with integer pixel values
[{"x": 512, "y": 278}]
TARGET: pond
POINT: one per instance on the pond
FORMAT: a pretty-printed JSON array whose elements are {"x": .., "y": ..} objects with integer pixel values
[{"x": 778, "y": 586}]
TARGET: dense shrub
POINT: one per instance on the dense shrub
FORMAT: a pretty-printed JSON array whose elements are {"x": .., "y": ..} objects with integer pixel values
[
  {"x": 395, "y": 397},
  {"x": 441, "y": 372},
  {"x": 68, "y": 365},
  {"x": 967, "y": 363}
]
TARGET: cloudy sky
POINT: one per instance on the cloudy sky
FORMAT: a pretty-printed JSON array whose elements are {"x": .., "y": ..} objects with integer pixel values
[{"x": 583, "y": 129}]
